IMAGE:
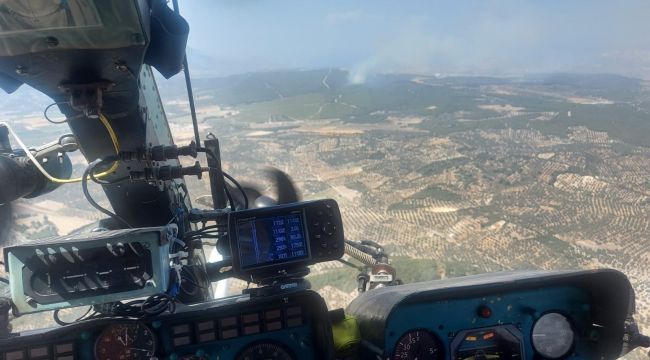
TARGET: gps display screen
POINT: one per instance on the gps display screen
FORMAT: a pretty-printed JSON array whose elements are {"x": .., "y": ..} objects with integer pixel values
[{"x": 270, "y": 240}]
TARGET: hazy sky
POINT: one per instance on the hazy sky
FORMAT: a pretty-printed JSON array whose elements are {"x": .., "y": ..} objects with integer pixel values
[{"x": 486, "y": 37}]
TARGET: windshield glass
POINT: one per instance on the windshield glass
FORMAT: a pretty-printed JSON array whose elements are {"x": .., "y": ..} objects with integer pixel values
[{"x": 464, "y": 137}]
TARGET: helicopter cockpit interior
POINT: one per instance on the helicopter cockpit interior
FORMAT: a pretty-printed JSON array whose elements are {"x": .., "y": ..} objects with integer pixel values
[{"x": 142, "y": 272}]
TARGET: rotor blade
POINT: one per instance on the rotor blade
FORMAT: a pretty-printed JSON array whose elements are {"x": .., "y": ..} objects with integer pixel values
[
  {"x": 251, "y": 192},
  {"x": 286, "y": 190}
]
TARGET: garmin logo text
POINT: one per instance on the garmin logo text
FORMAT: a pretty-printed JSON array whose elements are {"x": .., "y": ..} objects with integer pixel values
[
  {"x": 288, "y": 286},
  {"x": 381, "y": 278}
]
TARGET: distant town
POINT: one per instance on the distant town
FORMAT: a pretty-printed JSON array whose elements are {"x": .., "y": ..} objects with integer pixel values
[{"x": 453, "y": 175}]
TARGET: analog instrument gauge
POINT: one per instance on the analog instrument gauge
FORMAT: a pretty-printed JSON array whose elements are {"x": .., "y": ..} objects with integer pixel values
[
  {"x": 264, "y": 351},
  {"x": 553, "y": 335},
  {"x": 418, "y": 344},
  {"x": 121, "y": 341}
]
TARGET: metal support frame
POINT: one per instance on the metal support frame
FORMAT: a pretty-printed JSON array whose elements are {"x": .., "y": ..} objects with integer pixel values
[{"x": 217, "y": 181}]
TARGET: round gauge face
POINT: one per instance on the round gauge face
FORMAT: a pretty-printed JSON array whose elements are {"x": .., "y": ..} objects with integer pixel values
[
  {"x": 264, "y": 351},
  {"x": 125, "y": 341},
  {"x": 553, "y": 335},
  {"x": 418, "y": 344}
]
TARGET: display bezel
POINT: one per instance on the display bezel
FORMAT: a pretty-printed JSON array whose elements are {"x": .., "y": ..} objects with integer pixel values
[{"x": 280, "y": 262}]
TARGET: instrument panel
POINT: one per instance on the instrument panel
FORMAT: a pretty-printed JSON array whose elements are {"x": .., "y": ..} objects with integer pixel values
[
  {"x": 554, "y": 315},
  {"x": 491, "y": 326},
  {"x": 286, "y": 328}
]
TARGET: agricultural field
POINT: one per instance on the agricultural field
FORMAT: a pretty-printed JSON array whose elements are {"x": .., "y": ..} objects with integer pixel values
[{"x": 452, "y": 175}]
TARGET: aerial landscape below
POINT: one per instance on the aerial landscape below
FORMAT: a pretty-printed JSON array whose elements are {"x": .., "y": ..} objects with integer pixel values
[{"x": 453, "y": 175}]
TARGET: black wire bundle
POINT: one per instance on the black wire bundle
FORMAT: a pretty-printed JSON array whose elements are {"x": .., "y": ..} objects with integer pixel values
[
  {"x": 84, "y": 187},
  {"x": 138, "y": 309},
  {"x": 239, "y": 187},
  {"x": 217, "y": 231},
  {"x": 230, "y": 178},
  {"x": 205, "y": 230},
  {"x": 85, "y": 316},
  {"x": 188, "y": 276}
]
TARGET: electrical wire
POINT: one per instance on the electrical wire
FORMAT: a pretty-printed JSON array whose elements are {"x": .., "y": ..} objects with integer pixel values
[
  {"x": 188, "y": 277},
  {"x": 239, "y": 187},
  {"x": 233, "y": 181},
  {"x": 57, "y": 122},
  {"x": 206, "y": 230},
  {"x": 40, "y": 168},
  {"x": 215, "y": 231},
  {"x": 203, "y": 235},
  {"x": 186, "y": 193},
  {"x": 215, "y": 226},
  {"x": 209, "y": 236},
  {"x": 84, "y": 188},
  {"x": 116, "y": 145},
  {"x": 157, "y": 304},
  {"x": 109, "y": 182},
  {"x": 226, "y": 175},
  {"x": 192, "y": 278},
  {"x": 230, "y": 199},
  {"x": 58, "y": 320},
  {"x": 94, "y": 178},
  {"x": 152, "y": 306}
]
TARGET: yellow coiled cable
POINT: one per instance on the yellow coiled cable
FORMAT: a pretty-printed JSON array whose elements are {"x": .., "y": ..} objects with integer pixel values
[{"x": 40, "y": 168}]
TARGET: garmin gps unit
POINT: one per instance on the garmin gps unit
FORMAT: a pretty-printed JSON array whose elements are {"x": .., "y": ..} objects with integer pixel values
[{"x": 280, "y": 240}]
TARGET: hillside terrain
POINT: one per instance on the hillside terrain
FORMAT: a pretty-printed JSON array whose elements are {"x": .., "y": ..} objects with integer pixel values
[{"x": 453, "y": 175}]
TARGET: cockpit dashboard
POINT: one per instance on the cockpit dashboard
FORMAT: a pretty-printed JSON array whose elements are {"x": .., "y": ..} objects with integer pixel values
[
  {"x": 292, "y": 326},
  {"x": 520, "y": 315},
  {"x": 529, "y": 315}
]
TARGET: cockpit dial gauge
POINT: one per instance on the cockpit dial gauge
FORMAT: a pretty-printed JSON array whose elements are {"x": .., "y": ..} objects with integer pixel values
[
  {"x": 131, "y": 340},
  {"x": 553, "y": 335},
  {"x": 264, "y": 351},
  {"x": 418, "y": 344}
]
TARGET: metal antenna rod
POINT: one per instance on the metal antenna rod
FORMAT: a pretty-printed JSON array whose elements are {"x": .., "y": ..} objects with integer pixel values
[{"x": 188, "y": 84}]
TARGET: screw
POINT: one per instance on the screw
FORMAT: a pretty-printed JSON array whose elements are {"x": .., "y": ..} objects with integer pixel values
[
  {"x": 30, "y": 301},
  {"x": 92, "y": 113},
  {"x": 120, "y": 65},
  {"x": 136, "y": 38},
  {"x": 52, "y": 41}
]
